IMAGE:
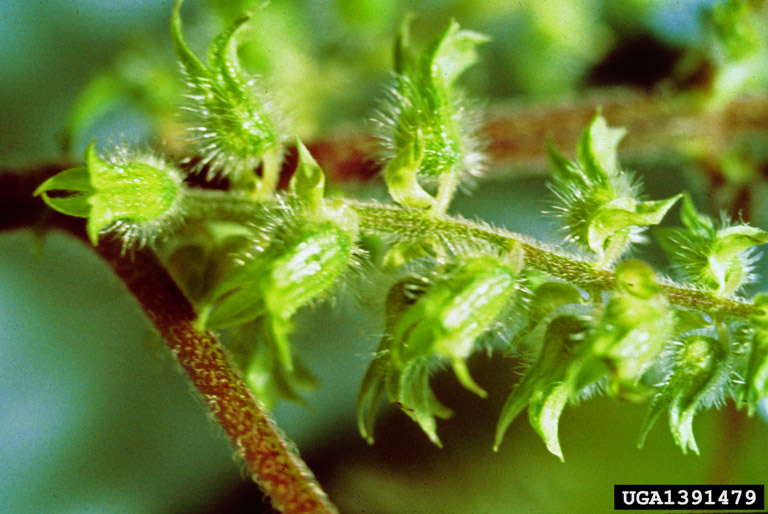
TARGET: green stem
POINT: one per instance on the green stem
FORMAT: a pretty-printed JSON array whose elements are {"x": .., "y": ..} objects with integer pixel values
[{"x": 409, "y": 225}]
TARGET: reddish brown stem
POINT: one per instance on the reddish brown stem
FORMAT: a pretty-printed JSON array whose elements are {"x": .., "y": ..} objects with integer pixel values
[
  {"x": 517, "y": 133},
  {"x": 273, "y": 463},
  {"x": 274, "y": 466}
]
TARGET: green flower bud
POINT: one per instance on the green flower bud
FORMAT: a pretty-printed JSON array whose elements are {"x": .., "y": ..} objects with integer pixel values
[
  {"x": 548, "y": 384},
  {"x": 599, "y": 202},
  {"x": 449, "y": 317},
  {"x": 291, "y": 272},
  {"x": 700, "y": 368},
  {"x": 374, "y": 382},
  {"x": 407, "y": 386},
  {"x": 712, "y": 257},
  {"x": 427, "y": 129},
  {"x": 138, "y": 197},
  {"x": 235, "y": 125},
  {"x": 633, "y": 330},
  {"x": 428, "y": 321}
]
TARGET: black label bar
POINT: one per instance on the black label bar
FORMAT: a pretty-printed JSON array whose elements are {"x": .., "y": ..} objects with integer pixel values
[{"x": 688, "y": 497}]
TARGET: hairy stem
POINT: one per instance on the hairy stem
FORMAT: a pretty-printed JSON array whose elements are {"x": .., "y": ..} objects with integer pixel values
[
  {"x": 409, "y": 225},
  {"x": 273, "y": 463}
]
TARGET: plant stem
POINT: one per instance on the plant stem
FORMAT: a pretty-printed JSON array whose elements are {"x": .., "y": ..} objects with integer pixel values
[
  {"x": 412, "y": 226},
  {"x": 273, "y": 463},
  {"x": 518, "y": 132}
]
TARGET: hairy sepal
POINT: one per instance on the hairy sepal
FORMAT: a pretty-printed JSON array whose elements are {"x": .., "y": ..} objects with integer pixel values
[
  {"x": 405, "y": 385},
  {"x": 635, "y": 326},
  {"x": 699, "y": 373},
  {"x": 235, "y": 127},
  {"x": 550, "y": 382},
  {"x": 275, "y": 282},
  {"x": 599, "y": 202},
  {"x": 138, "y": 197},
  {"x": 711, "y": 256},
  {"x": 432, "y": 321},
  {"x": 427, "y": 129}
]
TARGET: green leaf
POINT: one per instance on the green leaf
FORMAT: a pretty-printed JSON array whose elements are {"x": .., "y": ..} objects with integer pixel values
[
  {"x": 454, "y": 51},
  {"x": 308, "y": 181},
  {"x": 622, "y": 214},
  {"x": 401, "y": 176},
  {"x": 548, "y": 383},
  {"x": 76, "y": 187},
  {"x": 417, "y": 400},
  {"x": 598, "y": 149}
]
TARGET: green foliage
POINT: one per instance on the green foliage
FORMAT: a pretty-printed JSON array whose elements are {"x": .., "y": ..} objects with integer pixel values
[
  {"x": 712, "y": 257},
  {"x": 427, "y": 127},
  {"x": 138, "y": 196},
  {"x": 599, "y": 203},
  {"x": 700, "y": 367},
  {"x": 250, "y": 257},
  {"x": 429, "y": 320},
  {"x": 236, "y": 129}
]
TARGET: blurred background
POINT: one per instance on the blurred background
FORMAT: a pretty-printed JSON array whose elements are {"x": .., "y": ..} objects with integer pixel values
[{"x": 95, "y": 417}]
